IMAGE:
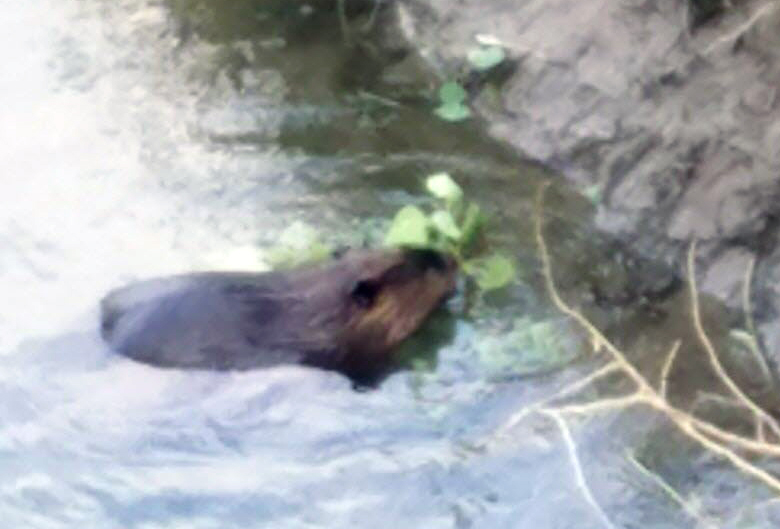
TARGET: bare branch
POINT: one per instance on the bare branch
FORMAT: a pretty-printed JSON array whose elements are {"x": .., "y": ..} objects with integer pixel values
[
  {"x": 687, "y": 506},
  {"x": 695, "y": 428},
  {"x": 750, "y": 324},
  {"x": 601, "y": 405},
  {"x": 710, "y": 349},
  {"x": 721, "y": 400},
  {"x": 743, "y": 443},
  {"x": 595, "y": 334},
  {"x": 747, "y": 306},
  {"x": 582, "y": 483},
  {"x": 718, "y": 441},
  {"x": 668, "y": 367},
  {"x": 745, "y": 466},
  {"x": 571, "y": 389}
]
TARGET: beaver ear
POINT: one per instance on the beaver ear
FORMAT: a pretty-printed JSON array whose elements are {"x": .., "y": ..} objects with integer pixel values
[{"x": 364, "y": 293}]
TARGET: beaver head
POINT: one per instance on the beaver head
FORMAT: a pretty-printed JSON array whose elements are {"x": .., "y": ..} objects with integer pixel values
[
  {"x": 345, "y": 315},
  {"x": 395, "y": 293}
]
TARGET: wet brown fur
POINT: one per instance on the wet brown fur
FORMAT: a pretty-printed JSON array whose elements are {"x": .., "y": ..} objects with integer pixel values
[{"x": 347, "y": 315}]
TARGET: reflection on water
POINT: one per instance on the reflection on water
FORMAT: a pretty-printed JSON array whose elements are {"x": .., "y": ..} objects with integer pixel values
[{"x": 143, "y": 138}]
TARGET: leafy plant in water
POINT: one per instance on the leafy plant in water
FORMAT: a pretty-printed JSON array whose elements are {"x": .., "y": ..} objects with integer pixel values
[
  {"x": 453, "y": 226},
  {"x": 452, "y": 107},
  {"x": 487, "y": 54},
  {"x": 409, "y": 228},
  {"x": 492, "y": 272},
  {"x": 485, "y": 57},
  {"x": 529, "y": 347},
  {"x": 299, "y": 243}
]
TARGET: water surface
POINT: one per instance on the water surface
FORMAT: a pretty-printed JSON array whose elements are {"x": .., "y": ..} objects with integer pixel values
[{"x": 149, "y": 138}]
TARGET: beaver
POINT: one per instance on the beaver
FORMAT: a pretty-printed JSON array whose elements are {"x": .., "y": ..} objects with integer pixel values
[{"x": 346, "y": 315}]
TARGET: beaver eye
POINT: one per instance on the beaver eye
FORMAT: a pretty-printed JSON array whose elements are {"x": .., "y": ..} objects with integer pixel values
[{"x": 364, "y": 293}]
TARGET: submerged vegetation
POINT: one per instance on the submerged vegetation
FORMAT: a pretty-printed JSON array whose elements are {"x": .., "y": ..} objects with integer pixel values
[
  {"x": 452, "y": 96},
  {"x": 452, "y": 102}
]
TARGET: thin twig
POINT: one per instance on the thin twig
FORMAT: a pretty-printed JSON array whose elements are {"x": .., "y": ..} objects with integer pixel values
[
  {"x": 745, "y": 466},
  {"x": 668, "y": 367},
  {"x": 582, "y": 483},
  {"x": 571, "y": 389},
  {"x": 747, "y": 307},
  {"x": 341, "y": 9},
  {"x": 721, "y": 400},
  {"x": 372, "y": 17},
  {"x": 732, "y": 36},
  {"x": 710, "y": 349},
  {"x": 687, "y": 506},
  {"x": 743, "y": 443},
  {"x": 750, "y": 343},
  {"x": 544, "y": 255},
  {"x": 602, "y": 405}
]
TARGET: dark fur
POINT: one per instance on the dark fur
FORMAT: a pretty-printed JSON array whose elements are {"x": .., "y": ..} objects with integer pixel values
[{"x": 346, "y": 315}]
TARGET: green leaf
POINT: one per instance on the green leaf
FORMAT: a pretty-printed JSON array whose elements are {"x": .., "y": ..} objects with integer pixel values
[
  {"x": 409, "y": 228},
  {"x": 473, "y": 221},
  {"x": 453, "y": 112},
  {"x": 299, "y": 243},
  {"x": 451, "y": 93},
  {"x": 442, "y": 220},
  {"x": 491, "y": 273},
  {"x": 442, "y": 186},
  {"x": 486, "y": 57}
]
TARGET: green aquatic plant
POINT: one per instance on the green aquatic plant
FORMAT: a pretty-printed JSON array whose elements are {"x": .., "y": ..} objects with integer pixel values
[
  {"x": 528, "y": 348},
  {"x": 452, "y": 107},
  {"x": 453, "y": 226},
  {"x": 299, "y": 243},
  {"x": 491, "y": 272},
  {"x": 488, "y": 53},
  {"x": 410, "y": 228},
  {"x": 484, "y": 57}
]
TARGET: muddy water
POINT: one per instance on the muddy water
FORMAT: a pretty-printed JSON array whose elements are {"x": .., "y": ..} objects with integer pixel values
[{"x": 144, "y": 138}]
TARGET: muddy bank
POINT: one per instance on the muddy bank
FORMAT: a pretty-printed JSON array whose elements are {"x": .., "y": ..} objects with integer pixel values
[{"x": 670, "y": 110}]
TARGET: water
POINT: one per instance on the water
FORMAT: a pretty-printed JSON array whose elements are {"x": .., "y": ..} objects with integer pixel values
[{"x": 146, "y": 138}]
